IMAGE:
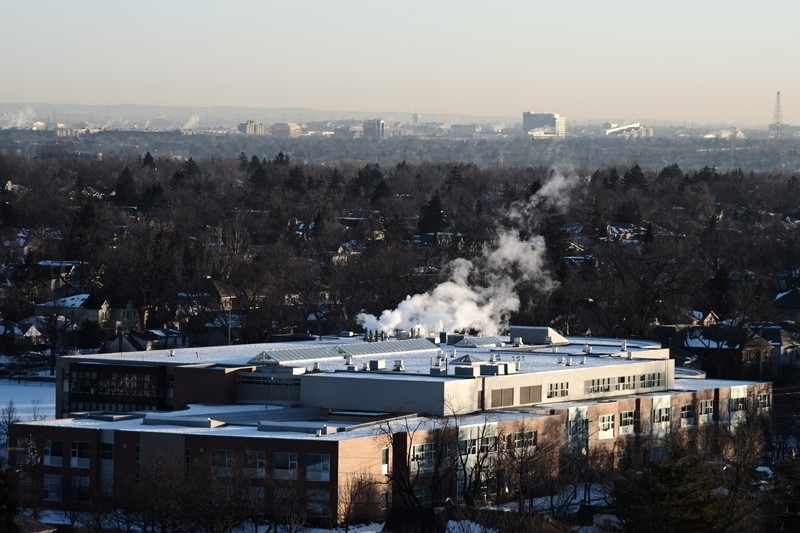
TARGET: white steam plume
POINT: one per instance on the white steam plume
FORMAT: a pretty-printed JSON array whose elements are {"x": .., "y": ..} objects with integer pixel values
[
  {"x": 481, "y": 295},
  {"x": 192, "y": 123}
]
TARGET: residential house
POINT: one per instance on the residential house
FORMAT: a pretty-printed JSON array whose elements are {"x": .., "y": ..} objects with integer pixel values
[
  {"x": 85, "y": 307},
  {"x": 728, "y": 352}
]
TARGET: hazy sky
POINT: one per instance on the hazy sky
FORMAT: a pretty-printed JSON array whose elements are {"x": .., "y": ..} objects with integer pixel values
[{"x": 701, "y": 61}]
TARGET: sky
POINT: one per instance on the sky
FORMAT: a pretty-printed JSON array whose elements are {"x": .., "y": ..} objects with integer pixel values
[{"x": 688, "y": 61}]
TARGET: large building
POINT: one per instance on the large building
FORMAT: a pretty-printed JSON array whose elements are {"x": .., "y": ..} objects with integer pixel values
[
  {"x": 544, "y": 125},
  {"x": 374, "y": 129},
  {"x": 286, "y": 130},
  {"x": 252, "y": 127},
  {"x": 311, "y": 418}
]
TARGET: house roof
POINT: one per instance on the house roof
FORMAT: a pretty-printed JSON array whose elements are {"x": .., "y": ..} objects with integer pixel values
[
  {"x": 719, "y": 338},
  {"x": 76, "y": 301},
  {"x": 788, "y": 300}
]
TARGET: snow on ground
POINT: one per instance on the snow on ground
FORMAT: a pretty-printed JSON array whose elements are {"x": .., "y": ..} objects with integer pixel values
[{"x": 32, "y": 399}]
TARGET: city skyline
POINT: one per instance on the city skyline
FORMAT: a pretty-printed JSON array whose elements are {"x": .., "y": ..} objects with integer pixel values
[{"x": 709, "y": 62}]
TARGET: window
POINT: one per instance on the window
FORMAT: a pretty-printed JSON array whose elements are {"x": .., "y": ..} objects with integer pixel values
[
  {"x": 738, "y": 404},
  {"x": 255, "y": 463},
  {"x": 221, "y": 462},
  {"x": 384, "y": 461},
  {"x": 488, "y": 444},
  {"x": 606, "y": 427},
  {"x": 661, "y": 414},
  {"x": 706, "y": 407},
  {"x": 285, "y": 466},
  {"x": 627, "y": 421},
  {"x": 318, "y": 503},
  {"x": 706, "y": 411},
  {"x": 577, "y": 428},
  {"x": 51, "y": 488},
  {"x": 596, "y": 385},
  {"x": 557, "y": 390},
  {"x": 424, "y": 495},
  {"x": 79, "y": 488},
  {"x": 502, "y": 397},
  {"x": 650, "y": 380},
  {"x": 53, "y": 453},
  {"x": 626, "y": 383},
  {"x": 521, "y": 440},
  {"x": 384, "y": 500},
  {"x": 107, "y": 451},
  {"x": 763, "y": 400},
  {"x": 468, "y": 446},
  {"x": 530, "y": 394},
  {"x": 318, "y": 467},
  {"x": 687, "y": 415},
  {"x": 79, "y": 454},
  {"x": 423, "y": 455}
]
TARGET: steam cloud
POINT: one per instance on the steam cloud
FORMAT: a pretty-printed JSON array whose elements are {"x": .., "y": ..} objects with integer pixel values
[
  {"x": 23, "y": 118},
  {"x": 481, "y": 294},
  {"x": 192, "y": 123}
]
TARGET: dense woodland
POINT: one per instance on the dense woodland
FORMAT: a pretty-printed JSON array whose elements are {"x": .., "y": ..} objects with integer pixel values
[{"x": 300, "y": 239}]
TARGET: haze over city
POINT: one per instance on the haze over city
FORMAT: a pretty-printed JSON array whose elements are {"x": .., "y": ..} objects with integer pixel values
[{"x": 704, "y": 62}]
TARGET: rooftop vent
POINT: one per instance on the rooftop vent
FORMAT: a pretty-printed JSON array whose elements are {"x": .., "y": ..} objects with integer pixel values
[{"x": 398, "y": 365}]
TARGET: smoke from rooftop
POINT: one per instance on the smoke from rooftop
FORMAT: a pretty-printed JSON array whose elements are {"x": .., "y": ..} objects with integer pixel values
[{"x": 481, "y": 294}]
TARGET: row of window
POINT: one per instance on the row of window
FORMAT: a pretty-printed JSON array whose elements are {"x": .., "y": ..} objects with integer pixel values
[
  {"x": 424, "y": 455},
  {"x": 532, "y": 394},
  {"x": 621, "y": 383},
  {"x": 53, "y": 453},
  {"x": 53, "y": 488},
  {"x": 627, "y": 419},
  {"x": 284, "y": 466},
  {"x": 120, "y": 384},
  {"x": 558, "y": 390}
]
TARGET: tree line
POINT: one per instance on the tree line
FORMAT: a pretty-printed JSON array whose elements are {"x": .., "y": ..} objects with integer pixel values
[{"x": 298, "y": 239}]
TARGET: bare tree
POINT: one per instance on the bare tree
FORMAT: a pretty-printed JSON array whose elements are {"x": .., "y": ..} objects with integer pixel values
[
  {"x": 8, "y": 416},
  {"x": 358, "y": 497}
]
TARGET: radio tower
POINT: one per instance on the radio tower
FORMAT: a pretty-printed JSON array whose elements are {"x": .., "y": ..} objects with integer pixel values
[{"x": 775, "y": 128}]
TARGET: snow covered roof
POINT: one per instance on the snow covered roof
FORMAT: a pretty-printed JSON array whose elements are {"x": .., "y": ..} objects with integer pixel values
[{"x": 75, "y": 301}]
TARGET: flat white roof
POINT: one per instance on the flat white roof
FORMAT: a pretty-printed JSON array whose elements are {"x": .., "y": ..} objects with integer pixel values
[{"x": 418, "y": 356}]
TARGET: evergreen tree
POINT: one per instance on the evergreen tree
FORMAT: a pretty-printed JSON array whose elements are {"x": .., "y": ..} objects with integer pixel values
[
  {"x": 125, "y": 188},
  {"x": 668, "y": 496},
  {"x": 431, "y": 217},
  {"x": 148, "y": 161},
  {"x": 8, "y": 503}
]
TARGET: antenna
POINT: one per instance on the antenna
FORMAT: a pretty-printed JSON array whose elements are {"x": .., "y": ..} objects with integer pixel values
[{"x": 775, "y": 128}]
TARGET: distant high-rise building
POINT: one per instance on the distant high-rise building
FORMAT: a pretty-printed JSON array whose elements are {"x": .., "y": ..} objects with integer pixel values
[
  {"x": 253, "y": 128},
  {"x": 375, "y": 129},
  {"x": 286, "y": 131},
  {"x": 544, "y": 125}
]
